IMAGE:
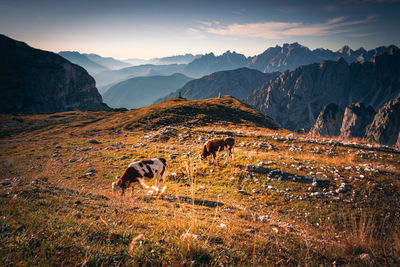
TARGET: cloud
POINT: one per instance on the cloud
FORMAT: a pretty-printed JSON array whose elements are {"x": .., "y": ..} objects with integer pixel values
[
  {"x": 371, "y": 1},
  {"x": 280, "y": 30}
]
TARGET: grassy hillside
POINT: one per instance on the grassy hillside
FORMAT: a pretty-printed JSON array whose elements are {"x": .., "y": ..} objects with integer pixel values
[{"x": 262, "y": 208}]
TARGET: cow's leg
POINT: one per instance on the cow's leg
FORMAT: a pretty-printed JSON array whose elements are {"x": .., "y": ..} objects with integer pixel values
[
  {"x": 214, "y": 157},
  {"x": 227, "y": 157},
  {"x": 132, "y": 189},
  {"x": 142, "y": 183}
]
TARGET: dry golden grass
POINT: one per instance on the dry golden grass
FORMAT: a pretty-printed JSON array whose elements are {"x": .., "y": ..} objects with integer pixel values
[{"x": 54, "y": 214}]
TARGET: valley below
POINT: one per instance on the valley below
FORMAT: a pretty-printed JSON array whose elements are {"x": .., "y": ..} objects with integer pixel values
[{"x": 285, "y": 199}]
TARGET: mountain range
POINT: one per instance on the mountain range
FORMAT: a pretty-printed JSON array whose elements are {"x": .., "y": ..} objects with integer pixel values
[
  {"x": 33, "y": 80},
  {"x": 238, "y": 83},
  {"x": 142, "y": 91},
  {"x": 277, "y": 58},
  {"x": 295, "y": 98}
]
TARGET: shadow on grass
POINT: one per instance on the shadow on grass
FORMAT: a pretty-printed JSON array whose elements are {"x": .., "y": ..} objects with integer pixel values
[{"x": 198, "y": 202}]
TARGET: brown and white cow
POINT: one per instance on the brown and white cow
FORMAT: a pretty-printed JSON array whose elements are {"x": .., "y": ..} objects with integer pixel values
[
  {"x": 211, "y": 147},
  {"x": 138, "y": 172}
]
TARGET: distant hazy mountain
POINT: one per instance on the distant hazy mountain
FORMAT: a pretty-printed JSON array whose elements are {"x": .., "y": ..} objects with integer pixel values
[
  {"x": 137, "y": 61},
  {"x": 108, "y": 62},
  {"x": 143, "y": 91},
  {"x": 210, "y": 63},
  {"x": 83, "y": 61},
  {"x": 238, "y": 83},
  {"x": 291, "y": 56},
  {"x": 295, "y": 98},
  {"x": 33, "y": 80},
  {"x": 108, "y": 78},
  {"x": 178, "y": 59},
  {"x": 278, "y": 58}
]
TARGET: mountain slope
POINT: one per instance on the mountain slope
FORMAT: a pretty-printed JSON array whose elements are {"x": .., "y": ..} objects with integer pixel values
[
  {"x": 142, "y": 91},
  {"x": 34, "y": 80},
  {"x": 385, "y": 128},
  {"x": 239, "y": 83},
  {"x": 83, "y": 61},
  {"x": 296, "y": 98},
  {"x": 329, "y": 121}
]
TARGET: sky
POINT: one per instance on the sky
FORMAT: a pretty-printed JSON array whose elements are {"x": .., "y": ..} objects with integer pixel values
[{"x": 146, "y": 29}]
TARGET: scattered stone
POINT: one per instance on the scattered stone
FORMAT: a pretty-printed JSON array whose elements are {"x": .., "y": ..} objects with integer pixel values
[
  {"x": 365, "y": 257},
  {"x": 250, "y": 230},
  {"x": 250, "y": 168},
  {"x": 173, "y": 156},
  {"x": 265, "y": 145},
  {"x": 93, "y": 141},
  {"x": 263, "y": 218},
  {"x": 91, "y": 169}
]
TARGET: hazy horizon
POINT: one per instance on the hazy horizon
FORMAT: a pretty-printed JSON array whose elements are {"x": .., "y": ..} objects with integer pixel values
[{"x": 132, "y": 29}]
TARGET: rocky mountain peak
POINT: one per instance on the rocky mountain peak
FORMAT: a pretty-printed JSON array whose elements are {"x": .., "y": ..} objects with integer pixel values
[
  {"x": 346, "y": 50},
  {"x": 385, "y": 127},
  {"x": 329, "y": 121},
  {"x": 355, "y": 120}
]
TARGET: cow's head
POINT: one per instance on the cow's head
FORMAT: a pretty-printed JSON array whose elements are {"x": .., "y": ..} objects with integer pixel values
[
  {"x": 130, "y": 175},
  {"x": 118, "y": 186},
  {"x": 204, "y": 153}
]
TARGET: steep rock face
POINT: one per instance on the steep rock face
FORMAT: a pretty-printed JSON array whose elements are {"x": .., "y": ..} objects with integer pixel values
[
  {"x": 238, "y": 83},
  {"x": 355, "y": 120},
  {"x": 385, "y": 127},
  {"x": 295, "y": 98},
  {"x": 33, "y": 80},
  {"x": 329, "y": 121},
  {"x": 398, "y": 142}
]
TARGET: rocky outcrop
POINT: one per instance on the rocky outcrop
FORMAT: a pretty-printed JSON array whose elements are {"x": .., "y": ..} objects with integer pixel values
[
  {"x": 295, "y": 98},
  {"x": 33, "y": 80},
  {"x": 355, "y": 120},
  {"x": 385, "y": 127},
  {"x": 329, "y": 121}
]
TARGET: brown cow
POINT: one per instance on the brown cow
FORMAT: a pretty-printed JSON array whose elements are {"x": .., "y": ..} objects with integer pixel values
[
  {"x": 138, "y": 172},
  {"x": 217, "y": 145}
]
